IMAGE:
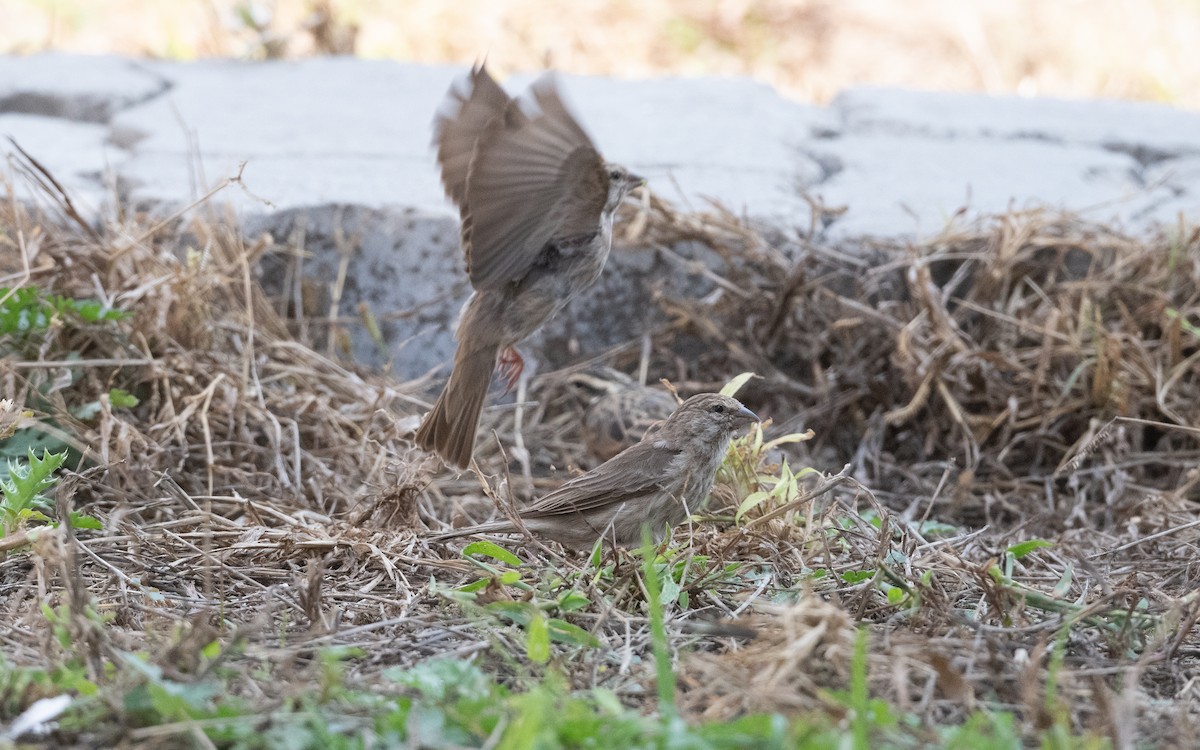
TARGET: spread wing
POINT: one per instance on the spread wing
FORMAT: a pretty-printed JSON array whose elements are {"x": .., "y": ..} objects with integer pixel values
[
  {"x": 531, "y": 179},
  {"x": 641, "y": 470},
  {"x": 460, "y": 122}
]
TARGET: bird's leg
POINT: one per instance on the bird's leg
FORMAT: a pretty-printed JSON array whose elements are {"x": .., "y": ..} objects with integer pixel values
[{"x": 510, "y": 365}]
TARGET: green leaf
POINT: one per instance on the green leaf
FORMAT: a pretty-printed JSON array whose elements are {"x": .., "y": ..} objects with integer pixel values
[
  {"x": 564, "y": 632},
  {"x": 120, "y": 399},
  {"x": 857, "y": 576},
  {"x": 27, "y": 310},
  {"x": 473, "y": 586},
  {"x": 537, "y": 639},
  {"x": 753, "y": 500},
  {"x": 670, "y": 590},
  {"x": 756, "y": 730},
  {"x": 1021, "y": 549},
  {"x": 936, "y": 529},
  {"x": 1064, "y": 584},
  {"x": 82, "y": 521},
  {"x": 21, "y": 497},
  {"x": 735, "y": 385},
  {"x": 492, "y": 550},
  {"x": 21, "y": 311},
  {"x": 27, "y": 514},
  {"x": 519, "y": 612},
  {"x": 86, "y": 412},
  {"x": 859, "y": 698},
  {"x": 443, "y": 680},
  {"x": 607, "y": 701},
  {"x": 663, "y": 670},
  {"x": 31, "y": 439},
  {"x": 572, "y": 601},
  {"x": 597, "y": 553},
  {"x": 90, "y": 310}
]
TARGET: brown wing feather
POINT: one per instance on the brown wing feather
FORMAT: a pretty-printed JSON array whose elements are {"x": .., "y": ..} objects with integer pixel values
[
  {"x": 462, "y": 119},
  {"x": 636, "y": 472},
  {"x": 529, "y": 181},
  {"x": 583, "y": 193},
  {"x": 585, "y": 185}
]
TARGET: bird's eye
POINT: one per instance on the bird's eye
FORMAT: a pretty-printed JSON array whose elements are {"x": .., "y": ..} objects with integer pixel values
[
  {"x": 614, "y": 174},
  {"x": 719, "y": 408}
]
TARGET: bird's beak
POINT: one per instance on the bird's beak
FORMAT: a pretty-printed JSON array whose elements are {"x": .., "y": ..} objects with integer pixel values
[
  {"x": 637, "y": 180},
  {"x": 745, "y": 415}
]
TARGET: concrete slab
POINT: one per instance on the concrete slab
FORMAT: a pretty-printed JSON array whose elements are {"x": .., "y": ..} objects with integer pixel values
[
  {"x": 904, "y": 186},
  {"x": 75, "y": 87},
  {"x": 1152, "y": 130}
]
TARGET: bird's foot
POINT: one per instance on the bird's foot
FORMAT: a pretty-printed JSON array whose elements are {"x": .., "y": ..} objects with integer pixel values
[{"x": 510, "y": 367}]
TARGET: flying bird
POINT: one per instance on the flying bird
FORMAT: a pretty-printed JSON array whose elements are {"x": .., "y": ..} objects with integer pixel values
[{"x": 536, "y": 203}]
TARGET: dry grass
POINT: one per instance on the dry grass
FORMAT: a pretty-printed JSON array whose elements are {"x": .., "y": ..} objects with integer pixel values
[{"x": 1029, "y": 376}]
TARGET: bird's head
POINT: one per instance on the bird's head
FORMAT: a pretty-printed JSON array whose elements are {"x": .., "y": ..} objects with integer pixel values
[
  {"x": 711, "y": 416},
  {"x": 621, "y": 182}
]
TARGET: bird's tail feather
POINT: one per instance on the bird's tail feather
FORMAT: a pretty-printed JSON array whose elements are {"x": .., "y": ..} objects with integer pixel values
[{"x": 449, "y": 428}]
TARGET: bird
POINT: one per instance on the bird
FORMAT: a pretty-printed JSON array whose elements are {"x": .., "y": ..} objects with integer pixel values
[
  {"x": 656, "y": 483},
  {"x": 617, "y": 410},
  {"x": 536, "y": 203}
]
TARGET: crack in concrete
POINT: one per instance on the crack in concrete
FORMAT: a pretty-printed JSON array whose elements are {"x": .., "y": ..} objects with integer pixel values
[
  {"x": 1145, "y": 156},
  {"x": 829, "y": 165},
  {"x": 165, "y": 85},
  {"x": 85, "y": 108}
]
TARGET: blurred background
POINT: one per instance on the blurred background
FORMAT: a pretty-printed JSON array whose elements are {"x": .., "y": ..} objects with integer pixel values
[{"x": 808, "y": 49}]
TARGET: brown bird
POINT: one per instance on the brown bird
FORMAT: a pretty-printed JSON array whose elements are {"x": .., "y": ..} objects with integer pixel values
[
  {"x": 618, "y": 411},
  {"x": 656, "y": 483},
  {"x": 536, "y": 202}
]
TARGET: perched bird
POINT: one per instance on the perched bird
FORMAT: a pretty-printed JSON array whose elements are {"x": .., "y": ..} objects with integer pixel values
[
  {"x": 536, "y": 202},
  {"x": 618, "y": 411},
  {"x": 656, "y": 483}
]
